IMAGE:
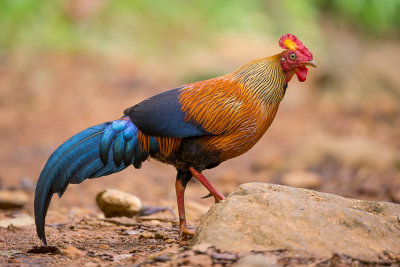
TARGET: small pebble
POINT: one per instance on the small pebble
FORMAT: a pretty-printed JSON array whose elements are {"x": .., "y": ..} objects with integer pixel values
[
  {"x": 224, "y": 256},
  {"x": 160, "y": 235},
  {"x": 132, "y": 232},
  {"x": 146, "y": 236},
  {"x": 161, "y": 258},
  {"x": 202, "y": 248},
  {"x": 103, "y": 246},
  {"x": 115, "y": 203},
  {"x": 13, "y": 199}
]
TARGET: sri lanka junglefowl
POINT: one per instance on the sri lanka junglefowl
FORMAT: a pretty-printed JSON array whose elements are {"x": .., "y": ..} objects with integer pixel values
[{"x": 194, "y": 127}]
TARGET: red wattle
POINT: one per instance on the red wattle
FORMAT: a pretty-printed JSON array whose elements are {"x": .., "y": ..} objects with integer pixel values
[{"x": 301, "y": 73}]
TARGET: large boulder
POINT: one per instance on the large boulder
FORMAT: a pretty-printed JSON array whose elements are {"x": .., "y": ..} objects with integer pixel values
[{"x": 259, "y": 216}]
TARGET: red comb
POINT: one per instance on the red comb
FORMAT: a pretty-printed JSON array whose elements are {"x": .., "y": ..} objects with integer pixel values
[{"x": 298, "y": 44}]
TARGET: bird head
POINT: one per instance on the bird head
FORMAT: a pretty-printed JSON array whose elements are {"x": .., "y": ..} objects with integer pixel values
[{"x": 295, "y": 58}]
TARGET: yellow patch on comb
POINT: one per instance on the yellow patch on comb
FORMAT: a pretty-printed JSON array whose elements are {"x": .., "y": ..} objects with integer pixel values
[{"x": 290, "y": 44}]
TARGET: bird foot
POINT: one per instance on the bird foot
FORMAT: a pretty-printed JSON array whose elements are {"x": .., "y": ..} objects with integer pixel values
[
  {"x": 217, "y": 200},
  {"x": 185, "y": 233}
]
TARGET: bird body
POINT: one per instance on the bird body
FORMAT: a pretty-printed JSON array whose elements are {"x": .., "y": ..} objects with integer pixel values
[
  {"x": 194, "y": 127},
  {"x": 229, "y": 113}
]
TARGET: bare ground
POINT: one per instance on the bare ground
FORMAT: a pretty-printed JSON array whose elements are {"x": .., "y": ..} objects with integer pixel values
[{"x": 349, "y": 139}]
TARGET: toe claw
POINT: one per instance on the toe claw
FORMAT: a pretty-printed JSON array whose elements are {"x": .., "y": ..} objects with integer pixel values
[{"x": 207, "y": 196}]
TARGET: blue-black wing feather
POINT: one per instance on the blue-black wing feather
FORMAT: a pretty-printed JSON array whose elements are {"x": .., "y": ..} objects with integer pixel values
[{"x": 161, "y": 115}]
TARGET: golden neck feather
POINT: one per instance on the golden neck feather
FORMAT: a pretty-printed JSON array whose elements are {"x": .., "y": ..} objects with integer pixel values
[{"x": 264, "y": 77}]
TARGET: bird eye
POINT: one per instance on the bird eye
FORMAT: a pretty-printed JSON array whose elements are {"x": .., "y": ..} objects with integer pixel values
[{"x": 293, "y": 56}]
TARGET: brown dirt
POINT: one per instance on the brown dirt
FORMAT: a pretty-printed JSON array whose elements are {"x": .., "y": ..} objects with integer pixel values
[{"x": 347, "y": 135}]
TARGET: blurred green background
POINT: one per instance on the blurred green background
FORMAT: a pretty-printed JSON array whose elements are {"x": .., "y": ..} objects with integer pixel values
[
  {"x": 68, "y": 64},
  {"x": 150, "y": 26}
]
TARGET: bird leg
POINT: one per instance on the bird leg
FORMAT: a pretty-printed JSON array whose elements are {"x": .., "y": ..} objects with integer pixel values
[
  {"x": 182, "y": 179},
  {"x": 214, "y": 192}
]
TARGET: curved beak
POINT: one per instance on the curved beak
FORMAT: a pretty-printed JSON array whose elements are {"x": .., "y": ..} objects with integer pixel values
[{"x": 311, "y": 63}]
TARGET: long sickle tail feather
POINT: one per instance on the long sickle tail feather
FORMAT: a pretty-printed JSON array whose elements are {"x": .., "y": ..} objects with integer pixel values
[{"x": 97, "y": 151}]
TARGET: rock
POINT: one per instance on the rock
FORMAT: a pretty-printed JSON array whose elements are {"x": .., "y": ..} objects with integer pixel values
[
  {"x": 132, "y": 232},
  {"x": 169, "y": 241},
  {"x": 14, "y": 199},
  {"x": 72, "y": 252},
  {"x": 146, "y": 236},
  {"x": 195, "y": 210},
  {"x": 223, "y": 256},
  {"x": 302, "y": 179},
  {"x": 116, "y": 203},
  {"x": 103, "y": 246},
  {"x": 257, "y": 261},
  {"x": 202, "y": 248},
  {"x": 197, "y": 260},
  {"x": 161, "y": 258},
  {"x": 160, "y": 235},
  {"x": 259, "y": 216},
  {"x": 21, "y": 220}
]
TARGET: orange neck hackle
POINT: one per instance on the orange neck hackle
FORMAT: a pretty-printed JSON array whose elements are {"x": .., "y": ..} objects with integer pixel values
[{"x": 263, "y": 78}]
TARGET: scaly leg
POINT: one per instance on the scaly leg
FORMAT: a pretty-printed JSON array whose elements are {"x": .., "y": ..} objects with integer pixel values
[
  {"x": 182, "y": 178},
  {"x": 214, "y": 192}
]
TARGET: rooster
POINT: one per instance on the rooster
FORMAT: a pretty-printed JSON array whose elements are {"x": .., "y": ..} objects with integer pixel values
[{"x": 194, "y": 127}]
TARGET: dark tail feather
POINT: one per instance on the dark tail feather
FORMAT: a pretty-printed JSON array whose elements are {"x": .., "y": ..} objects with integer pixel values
[{"x": 97, "y": 151}]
